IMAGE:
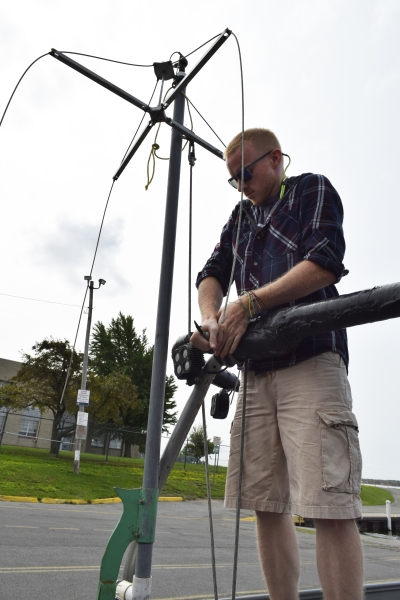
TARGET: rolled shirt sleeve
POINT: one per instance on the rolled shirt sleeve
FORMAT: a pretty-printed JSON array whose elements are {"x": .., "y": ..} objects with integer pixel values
[{"x": 321, "y": 219}]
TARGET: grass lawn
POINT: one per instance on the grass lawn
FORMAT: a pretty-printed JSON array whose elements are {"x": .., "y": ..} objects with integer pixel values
[
  {"x": 34, "y": 472},
  {"x": 372, "y": 496}
]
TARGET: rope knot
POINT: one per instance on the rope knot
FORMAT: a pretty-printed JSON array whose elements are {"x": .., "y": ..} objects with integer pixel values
[{"x": 155, "y": 146}]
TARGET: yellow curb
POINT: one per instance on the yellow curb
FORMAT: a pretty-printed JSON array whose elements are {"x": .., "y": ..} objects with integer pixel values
[
  {"x": 296, "y": 520},
  {"x": 18, "y": 499},
  {"x": 161, "y": 499},
  {"x": 106, "y": 501},
  {"x": 77, "y": 501},
  {"x": 61, "y": 501},
  {"x": 306, "y": 529},
  {"x": 170, "y": 499}
]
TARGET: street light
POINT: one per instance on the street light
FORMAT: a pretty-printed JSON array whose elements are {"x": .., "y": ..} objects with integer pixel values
[{"x": 83, "y": 398}]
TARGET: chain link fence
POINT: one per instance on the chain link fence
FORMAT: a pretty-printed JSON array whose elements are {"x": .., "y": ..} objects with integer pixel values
[{"x": 29, "y": 428}]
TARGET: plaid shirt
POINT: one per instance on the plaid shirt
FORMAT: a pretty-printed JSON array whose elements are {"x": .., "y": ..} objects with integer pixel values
[{"x": 305, "y": 225}]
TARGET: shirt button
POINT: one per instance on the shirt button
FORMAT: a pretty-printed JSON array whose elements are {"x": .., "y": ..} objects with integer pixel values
[{"x": 256, "y": 263}]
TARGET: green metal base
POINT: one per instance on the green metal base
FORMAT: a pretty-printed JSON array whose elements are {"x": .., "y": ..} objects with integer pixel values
[{"x": 137, "y": 522}]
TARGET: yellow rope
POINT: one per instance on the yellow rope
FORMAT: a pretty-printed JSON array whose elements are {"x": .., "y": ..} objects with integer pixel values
[{"x": 154, "y": 147}]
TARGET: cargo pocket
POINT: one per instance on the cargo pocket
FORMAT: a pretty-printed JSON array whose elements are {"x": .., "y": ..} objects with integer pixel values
[{"x": 341, "y": 456}]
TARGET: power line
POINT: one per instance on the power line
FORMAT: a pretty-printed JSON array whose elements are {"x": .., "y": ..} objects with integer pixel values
[{"x": 38, "y": 300}]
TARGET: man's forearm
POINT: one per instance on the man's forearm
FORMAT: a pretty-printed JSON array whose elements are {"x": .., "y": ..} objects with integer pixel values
[
  {"x": 304, "y": 279},
  {"x": 210, "y": 297}
]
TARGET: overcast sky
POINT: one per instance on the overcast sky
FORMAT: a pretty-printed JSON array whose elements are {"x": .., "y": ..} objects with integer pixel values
[{"x": 324, "y": 75}]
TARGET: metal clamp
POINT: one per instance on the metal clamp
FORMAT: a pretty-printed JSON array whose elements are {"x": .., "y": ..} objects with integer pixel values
[{"x": 137, "y": 523}]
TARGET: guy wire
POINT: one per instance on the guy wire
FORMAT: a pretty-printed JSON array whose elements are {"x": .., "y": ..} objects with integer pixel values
[
  {"x": 210, "y": 520},
  {"x": 191, "y": 164},
  {"x": 191, "y": 121},
  {"x": 210, "y": 40},
  {"x": 238, "y": 501},
  {"x": 208, "y": 124},
  {"x": 119, "y": 62},
  {"x": 141, "y": 121},
  {"x": 15, "y": 89},
  {"x": 84, "y": 298},
  {"x": 239, "y": 492},
  {"x": 241, "y": 191}
]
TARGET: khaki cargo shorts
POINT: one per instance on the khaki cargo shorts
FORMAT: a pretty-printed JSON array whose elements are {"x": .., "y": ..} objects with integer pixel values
[{"x": 301, "y": 449}]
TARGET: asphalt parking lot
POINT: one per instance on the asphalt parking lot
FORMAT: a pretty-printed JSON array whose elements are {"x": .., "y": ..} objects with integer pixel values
[{"x": 54, "y": 551}]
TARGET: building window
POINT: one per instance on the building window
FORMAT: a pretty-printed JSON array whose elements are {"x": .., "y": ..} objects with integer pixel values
[
  {"x": 29, "y": 422},
  {"x": 98, "y": 442},
  {"x": 67, "y": 440},
  {"x": 116, "y": 444}
]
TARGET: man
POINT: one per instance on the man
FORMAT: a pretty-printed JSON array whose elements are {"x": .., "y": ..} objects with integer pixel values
[{"x": 301, "y": 451}]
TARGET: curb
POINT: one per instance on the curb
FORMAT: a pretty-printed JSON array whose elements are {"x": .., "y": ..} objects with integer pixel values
[
  {"x": 76, "y": 501},
  {"x": 296, "y": 520}
]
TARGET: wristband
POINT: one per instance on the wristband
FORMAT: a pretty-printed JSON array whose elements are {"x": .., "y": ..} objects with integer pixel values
[{"x": 246, "y": 312}]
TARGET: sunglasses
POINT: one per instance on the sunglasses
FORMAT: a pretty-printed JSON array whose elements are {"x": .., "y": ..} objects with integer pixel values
[{"x": 234, "y": 181}]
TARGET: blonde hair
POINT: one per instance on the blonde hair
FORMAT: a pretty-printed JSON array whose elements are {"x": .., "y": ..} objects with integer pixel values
[{"x": 264, "y": 139}]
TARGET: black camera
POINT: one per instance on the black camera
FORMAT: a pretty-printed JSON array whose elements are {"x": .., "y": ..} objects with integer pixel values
[{"x": 220, "y": 405}]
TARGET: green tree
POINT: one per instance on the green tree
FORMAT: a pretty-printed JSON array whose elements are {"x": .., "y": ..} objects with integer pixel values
[
  {"x": 40, "y": 382},
  {"x": 195, "y": 445},
  {"x": 112, "y": 398},
  {"x": 119, "y": 348}
]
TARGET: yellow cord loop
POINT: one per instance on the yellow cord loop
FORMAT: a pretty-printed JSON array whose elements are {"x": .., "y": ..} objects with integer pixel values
[{"x": 154, "y": 147}]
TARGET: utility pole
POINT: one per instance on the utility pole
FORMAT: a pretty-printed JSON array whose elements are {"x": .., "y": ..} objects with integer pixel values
[{"x": 83, "y": 395}]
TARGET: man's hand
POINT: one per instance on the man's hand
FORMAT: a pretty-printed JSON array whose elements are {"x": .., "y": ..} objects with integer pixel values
[
  {"x": 232, "y": 329},
  {"x": 200, "y": 342},
  {"x": 210, "y": 298},
  {"x": 224, "y": 336}
]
